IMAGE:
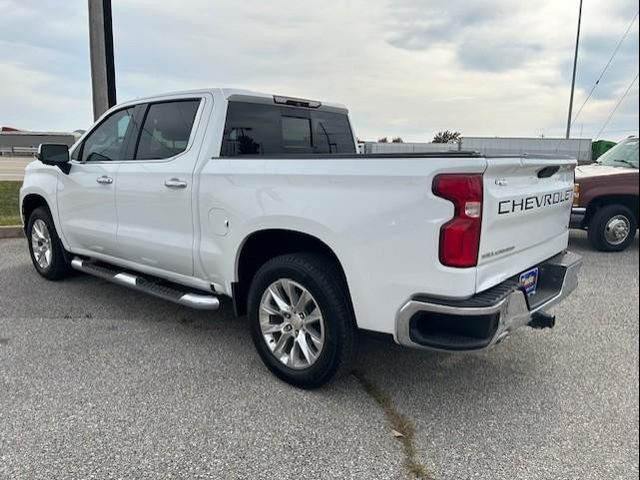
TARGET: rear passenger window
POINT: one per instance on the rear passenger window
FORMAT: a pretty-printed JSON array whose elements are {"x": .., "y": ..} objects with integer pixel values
[
  {"x": 261, "y": 129},
  {"x": 166, "y": 129},
  {"x": 251, "y": 129}
]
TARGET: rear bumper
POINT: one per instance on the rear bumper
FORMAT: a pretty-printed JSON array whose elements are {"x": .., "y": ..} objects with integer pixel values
[
  {"x": 577, "y": 217},
  {"x": 483, "y": 320}
]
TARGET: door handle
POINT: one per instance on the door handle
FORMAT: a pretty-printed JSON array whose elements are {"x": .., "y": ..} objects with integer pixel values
[
  {"x": 104, "y": 180},
  {"x": 175, "y": 183}
]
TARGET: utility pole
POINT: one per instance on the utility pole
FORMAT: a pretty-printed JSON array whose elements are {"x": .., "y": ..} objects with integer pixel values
[
  {"x": 573, "y": 79},
  {"x": 103, "y": 79}
]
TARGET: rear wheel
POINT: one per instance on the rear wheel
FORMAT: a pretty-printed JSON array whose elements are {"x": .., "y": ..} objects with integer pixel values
[
  {"x": 45, "y": 248},
  {"x": 612, "y": 228},
  {"x": 300, "y": 319}
]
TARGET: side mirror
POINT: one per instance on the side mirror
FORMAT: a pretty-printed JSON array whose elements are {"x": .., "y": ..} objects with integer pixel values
[{"x": 54, "y": 154}]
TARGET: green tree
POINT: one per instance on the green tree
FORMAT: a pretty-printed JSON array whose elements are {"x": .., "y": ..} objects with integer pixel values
[{"x": 446, "y": 137}]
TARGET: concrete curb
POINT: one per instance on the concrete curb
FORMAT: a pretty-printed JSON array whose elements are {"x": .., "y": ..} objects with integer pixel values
[{"x": 12, "y": 232}]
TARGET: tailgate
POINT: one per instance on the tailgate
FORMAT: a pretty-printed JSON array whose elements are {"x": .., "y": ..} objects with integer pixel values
[{"x": 525, "y": 215}]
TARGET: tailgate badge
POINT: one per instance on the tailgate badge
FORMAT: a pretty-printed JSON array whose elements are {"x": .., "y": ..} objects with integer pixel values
[{"x": 502, "y": 182}]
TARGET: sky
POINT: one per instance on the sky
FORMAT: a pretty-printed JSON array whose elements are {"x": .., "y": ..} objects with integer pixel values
[{"x": 405, "y": 68}]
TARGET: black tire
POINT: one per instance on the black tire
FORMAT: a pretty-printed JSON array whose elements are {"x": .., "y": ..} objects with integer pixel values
[
  {"x": 597, "y": 230},
  {"x": 59, "y": 267},
  {"x": 321, "y": 277}
]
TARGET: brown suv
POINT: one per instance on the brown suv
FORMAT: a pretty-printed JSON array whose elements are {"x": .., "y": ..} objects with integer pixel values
[{"x": 605, "y": 201}]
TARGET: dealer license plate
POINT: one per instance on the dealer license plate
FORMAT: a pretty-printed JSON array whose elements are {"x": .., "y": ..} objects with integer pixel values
[{"x": 529, "y": 281}]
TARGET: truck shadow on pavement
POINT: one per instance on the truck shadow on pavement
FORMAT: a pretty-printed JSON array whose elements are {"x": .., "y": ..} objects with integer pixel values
[
  {"x": 390, "y": 366},
  {"x": 85, "y": 297}
]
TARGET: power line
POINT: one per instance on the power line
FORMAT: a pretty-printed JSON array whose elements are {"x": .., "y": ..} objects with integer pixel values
[
  {"x": 595, "y": 85},
  {"x": 624, "y": 36},
  {"x": 617, "y": 105},
  {"x": 622, "y": 130}
]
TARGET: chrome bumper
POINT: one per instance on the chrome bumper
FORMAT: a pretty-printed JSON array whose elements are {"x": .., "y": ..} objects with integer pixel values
[
  {"x": 577, "y": 217},
  {"x": 506, "y": 304}
]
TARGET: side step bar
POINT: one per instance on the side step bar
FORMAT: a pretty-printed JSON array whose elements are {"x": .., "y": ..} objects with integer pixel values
[{"x": 173, "y": 294}]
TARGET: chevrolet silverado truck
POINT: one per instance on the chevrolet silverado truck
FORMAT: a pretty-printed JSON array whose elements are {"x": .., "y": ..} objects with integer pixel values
[
  {"x": 606, "y": 198},
  {"x": 216, "y": 193}
]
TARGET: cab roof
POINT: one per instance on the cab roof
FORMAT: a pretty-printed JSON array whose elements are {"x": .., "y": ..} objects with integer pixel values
[{"x": 236, "y": 94}]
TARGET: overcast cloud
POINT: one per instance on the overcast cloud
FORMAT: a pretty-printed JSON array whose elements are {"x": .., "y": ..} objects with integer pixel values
[{"x": 405, "y": 68}]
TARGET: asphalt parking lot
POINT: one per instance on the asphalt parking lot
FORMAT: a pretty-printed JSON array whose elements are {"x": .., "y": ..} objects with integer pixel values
[{"x": 97, "y": 381}]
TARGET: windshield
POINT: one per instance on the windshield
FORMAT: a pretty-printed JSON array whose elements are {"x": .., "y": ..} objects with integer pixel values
[{"x": 625, "y": 154}]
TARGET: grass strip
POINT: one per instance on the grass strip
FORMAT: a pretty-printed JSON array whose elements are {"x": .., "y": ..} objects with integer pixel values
[{"x": 9, "y": 209}]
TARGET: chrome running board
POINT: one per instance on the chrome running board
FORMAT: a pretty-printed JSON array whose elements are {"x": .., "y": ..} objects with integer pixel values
[{"x": 172, "y": 293}]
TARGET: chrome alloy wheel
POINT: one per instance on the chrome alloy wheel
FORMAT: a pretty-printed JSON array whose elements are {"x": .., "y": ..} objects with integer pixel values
[
  {"x": 41, "y": 244},
  {"x": 617, "y": 230},
  {"x": 291, "y": 323}
]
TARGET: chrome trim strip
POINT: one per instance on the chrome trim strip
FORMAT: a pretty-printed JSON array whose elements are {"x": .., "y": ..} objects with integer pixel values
[
  {"x": 77, "y": 263},
  {"x": 193, "y": 300},
  {"x": 200, "y": 302},
  {"x": 126, "y": 279}
]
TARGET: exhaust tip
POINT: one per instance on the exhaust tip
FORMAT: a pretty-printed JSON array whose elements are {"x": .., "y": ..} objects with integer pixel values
[{"x": 542, "y": 320}]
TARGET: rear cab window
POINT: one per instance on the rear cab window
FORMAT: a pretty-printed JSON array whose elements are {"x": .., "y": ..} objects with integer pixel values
[{"x": 262, "y": 129}]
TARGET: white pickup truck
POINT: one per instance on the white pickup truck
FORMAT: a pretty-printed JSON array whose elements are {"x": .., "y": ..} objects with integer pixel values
[{"x": 196, "y": 195}]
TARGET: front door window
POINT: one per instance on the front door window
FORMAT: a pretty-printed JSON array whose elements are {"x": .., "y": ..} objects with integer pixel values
[{"x": 107, "y": 141}]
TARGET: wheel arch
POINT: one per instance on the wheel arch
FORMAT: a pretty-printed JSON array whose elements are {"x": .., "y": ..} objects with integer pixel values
[
  {"x": 627, "y": 200},
  {"x": 30, "y": 202},
  {"x": 262, "y": 245}
]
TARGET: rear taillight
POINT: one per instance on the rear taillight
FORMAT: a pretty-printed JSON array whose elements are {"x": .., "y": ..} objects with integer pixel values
[{"x": 460, "y": 236}]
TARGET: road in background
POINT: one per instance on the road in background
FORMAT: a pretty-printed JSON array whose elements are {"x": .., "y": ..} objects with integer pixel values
[
  {"x": 100, "y": 381},
  {"x": 12, "y": 168}
]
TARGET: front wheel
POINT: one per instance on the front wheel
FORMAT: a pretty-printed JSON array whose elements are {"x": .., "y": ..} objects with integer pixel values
[
  {"x": 45, "y": 248},
  {"x": 301, "y": 319},
  {"x": 612, "y": 228}
]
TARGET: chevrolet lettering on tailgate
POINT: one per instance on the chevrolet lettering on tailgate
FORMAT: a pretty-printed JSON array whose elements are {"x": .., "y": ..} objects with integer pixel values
[{"x": 535, "y": 201}]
